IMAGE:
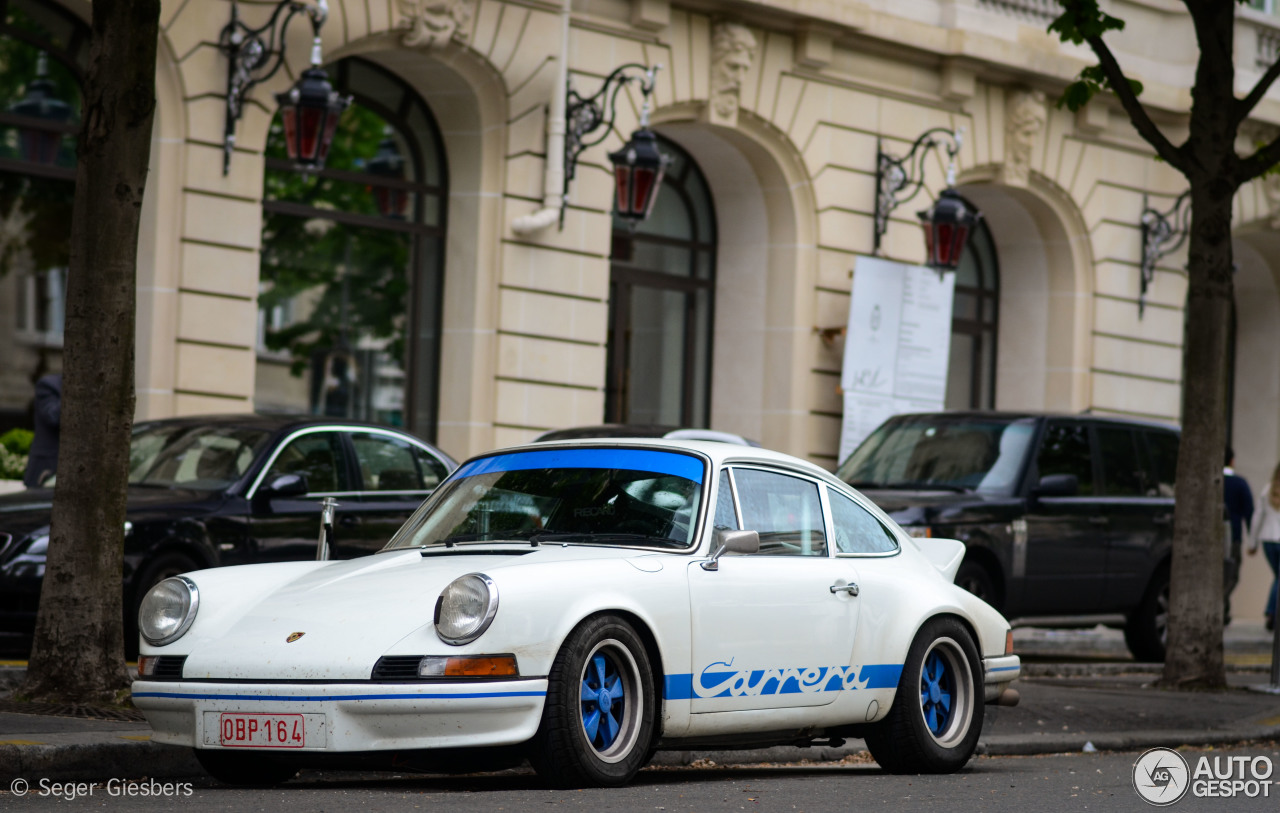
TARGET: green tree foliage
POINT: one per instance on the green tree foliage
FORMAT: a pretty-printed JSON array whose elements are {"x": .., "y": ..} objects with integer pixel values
[{"x": 352, "y": 280}]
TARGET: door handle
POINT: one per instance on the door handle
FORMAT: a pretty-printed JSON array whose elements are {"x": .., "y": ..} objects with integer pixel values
[
  {"x": 850, "y": 588},
  {"x": 349, "y": 521},
  {"x": 1162, "y": 519},
  {"x": 1099, "y": 521}
]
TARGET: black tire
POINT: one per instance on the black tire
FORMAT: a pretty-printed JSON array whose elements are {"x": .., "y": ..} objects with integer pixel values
[
  {"x": 151, "y": 574},
  {"x": 1146, "y": 631},
  {"x": 922, "y": 733},
  {"x": 565, "y": 752},
  {"x": 977, "y": 579},
  {"x": 245, "y": 769}
]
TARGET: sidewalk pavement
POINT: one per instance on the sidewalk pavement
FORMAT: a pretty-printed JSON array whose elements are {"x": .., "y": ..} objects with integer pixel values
[{"x": 1080, "y": 691}]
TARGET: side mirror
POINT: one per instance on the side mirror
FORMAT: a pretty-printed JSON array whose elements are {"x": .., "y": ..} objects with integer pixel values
[
  {"x": 1057, "y": 485},
  {"x": 731, "y": 542},
  {"x": 287, "y": 485}
]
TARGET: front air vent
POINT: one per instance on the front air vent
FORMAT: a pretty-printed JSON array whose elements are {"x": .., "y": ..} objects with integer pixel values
[
  {"x": 397, "y": 667},
  {"x": 162, "y": 667}
]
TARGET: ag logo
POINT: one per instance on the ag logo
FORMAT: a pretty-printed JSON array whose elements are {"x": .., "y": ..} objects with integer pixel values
[
  {"x": 1161, "y": 776},
  {"x": 293, "y": 637}
]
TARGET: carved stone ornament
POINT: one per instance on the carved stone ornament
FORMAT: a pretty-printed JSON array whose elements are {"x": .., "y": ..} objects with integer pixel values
[
  {"x": 733, "y": 48},
  {"x": 434, "y": 23},
  {"x": 1025, "y": 118}
]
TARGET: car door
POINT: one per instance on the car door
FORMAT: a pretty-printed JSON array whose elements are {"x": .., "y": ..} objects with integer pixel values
[
  {"x": 286, "y": 527},
  {"x": 1137, "y": 515},
  {"x": 395, "y": 476},
  {"x": 1066, "y": 535},
  {"x": 768, "y": 631}
]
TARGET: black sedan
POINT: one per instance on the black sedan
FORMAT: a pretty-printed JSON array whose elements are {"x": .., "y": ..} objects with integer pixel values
[{"x": 233, "y": 489}]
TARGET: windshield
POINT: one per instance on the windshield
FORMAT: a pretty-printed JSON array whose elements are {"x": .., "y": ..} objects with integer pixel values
[
  {"x": 940, "y": 451},
  {"x": 629, "y": 497},
  {"x": 206, "y": 458}
]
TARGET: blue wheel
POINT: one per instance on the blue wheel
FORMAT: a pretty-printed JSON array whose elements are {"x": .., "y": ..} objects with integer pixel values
[
  {"x": 599, "y": 719},
  {"x": 936, "y": 717},
  {"x": 946, "y": 692},
  {"x": 610, "y": 706}
]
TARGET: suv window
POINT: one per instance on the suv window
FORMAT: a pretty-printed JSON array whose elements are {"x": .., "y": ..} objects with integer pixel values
[
  {"x": 786, "y": 511},
  {"x": 1122, "y": 473},
  {"x": 1162, "y": 452},
  {"x": 387, "y": 463},
  {"x": 318, "y": 457},
  {"x": 1065, "y": 450},
  {"x": 855, "y": 529}
]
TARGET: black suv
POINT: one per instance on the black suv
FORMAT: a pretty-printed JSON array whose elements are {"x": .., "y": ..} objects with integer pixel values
[{"x": 1063, "y": 515}]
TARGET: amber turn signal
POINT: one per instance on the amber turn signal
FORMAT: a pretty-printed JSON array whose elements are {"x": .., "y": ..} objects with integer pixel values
[
  {"x": 1008, "y": 642},
  {"x": 469, "y": 666}
]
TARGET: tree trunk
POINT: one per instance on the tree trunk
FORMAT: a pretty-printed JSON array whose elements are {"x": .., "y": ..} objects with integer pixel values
[
  {"x": 78, "y": 653},
  {"x": 1194, "y": 653}
]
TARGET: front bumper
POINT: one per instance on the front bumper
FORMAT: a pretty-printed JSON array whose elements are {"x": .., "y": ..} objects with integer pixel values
[
  {"x": 358, "y": 716},
  {"x": 998, "y": 673}
]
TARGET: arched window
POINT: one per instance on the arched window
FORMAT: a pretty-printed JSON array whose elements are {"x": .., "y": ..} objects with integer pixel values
[
  {"x": 352, "y": 263},
  {"x": 971, "y": 377},
  {"x": 43, "y": 53},
  {"x": 662, "y": 279}
]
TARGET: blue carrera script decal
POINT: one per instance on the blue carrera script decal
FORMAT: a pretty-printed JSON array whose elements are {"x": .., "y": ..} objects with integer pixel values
[
  {"x": 722, "y": 680},
  {"x": 681, "y": 465}
]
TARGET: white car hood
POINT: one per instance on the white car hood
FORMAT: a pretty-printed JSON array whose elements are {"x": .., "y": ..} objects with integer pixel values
[{"x": 350, "y": 613}]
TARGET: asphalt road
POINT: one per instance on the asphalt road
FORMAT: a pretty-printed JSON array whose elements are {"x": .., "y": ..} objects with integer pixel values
[{"x": 1094, "y": 782}]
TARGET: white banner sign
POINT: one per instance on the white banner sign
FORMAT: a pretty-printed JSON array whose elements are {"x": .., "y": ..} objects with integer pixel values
[{"x": 898, "y": 345}]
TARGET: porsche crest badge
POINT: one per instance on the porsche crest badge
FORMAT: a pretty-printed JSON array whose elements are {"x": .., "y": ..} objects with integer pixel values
[{"x": 293, "y": 637}]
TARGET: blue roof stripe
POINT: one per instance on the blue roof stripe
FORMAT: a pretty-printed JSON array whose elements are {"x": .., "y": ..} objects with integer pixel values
[{"x": 680, "y": 465}]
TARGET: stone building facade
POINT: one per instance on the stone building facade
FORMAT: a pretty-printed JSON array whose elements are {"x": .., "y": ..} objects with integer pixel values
[{"x": 777, "y": 109}]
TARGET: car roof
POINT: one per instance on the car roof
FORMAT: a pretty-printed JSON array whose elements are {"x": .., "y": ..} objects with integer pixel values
[
  {"x": 641, "y": 430},
  {"x": 1014, "y": 415},
  {"x": 273, "y": 422},
  {"x": 719, "y": 453}
]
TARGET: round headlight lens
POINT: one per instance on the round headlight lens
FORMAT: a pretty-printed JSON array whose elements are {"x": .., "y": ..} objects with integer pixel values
[
  {"x": 168, "y": 610},
  {"x": 466, "y": 608}
]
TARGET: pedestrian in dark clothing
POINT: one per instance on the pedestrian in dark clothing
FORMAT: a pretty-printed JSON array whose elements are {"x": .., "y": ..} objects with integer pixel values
[
  {"x": 42, "y": 461},
  {"x": 1239, "y": 504}
]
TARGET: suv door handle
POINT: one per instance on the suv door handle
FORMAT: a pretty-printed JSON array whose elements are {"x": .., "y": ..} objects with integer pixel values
[
  {"x": 1099, "y": 521},
  {"x": 1162, "y": 519},
  {"x": 349, "y": 521},
  {"x": 850, "y": 588}
]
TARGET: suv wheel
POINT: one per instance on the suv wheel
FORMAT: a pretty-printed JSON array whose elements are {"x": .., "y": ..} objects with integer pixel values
[{"x": 1147, "y": 630}]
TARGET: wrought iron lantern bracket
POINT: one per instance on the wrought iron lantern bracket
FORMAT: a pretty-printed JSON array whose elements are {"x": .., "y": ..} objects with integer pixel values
[
  {"x": 1162, "y": 234},
  {"x": 254, "y": 55},
  {"x": 585, "y": 115},
  {"x": 899, "y": 179}
]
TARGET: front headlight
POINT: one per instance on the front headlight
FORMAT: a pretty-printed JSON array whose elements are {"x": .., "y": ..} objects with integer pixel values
[
  {"x": 168, "y": 610},
  {"x": 465, "y": 609}
]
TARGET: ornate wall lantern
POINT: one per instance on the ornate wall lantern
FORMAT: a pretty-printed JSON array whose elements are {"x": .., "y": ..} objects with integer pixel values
[
  {"x": 51, "y": 116},
  {"x": 947, "y": 225},
  {"x": 638, "y": 167},
  {"x": 949, "y": 221},
  {"x": 1162, "y": 234},
  {"x": 309, "y": 110}
]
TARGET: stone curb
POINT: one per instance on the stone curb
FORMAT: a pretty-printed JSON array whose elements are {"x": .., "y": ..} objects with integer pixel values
[
  {"x": 95, "y": 762},
  {"x": 1034, "y": 670}
]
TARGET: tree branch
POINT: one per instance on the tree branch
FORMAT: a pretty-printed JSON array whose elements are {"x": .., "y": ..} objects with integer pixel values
[
  {"x": 1137, "y": 113},
  {"x": 1258, "y": 163},
  {"x": 1245, "y": 106}
]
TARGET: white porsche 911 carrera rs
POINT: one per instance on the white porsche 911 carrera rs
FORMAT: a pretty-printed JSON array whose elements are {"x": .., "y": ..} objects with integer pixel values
[{"x": 582, "y": 605}]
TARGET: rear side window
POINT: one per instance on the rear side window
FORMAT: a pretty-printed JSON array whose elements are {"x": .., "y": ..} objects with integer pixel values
[
  {"x": 1162, "y": 453},
  {"x": 1121, "y": 470},
  {"x": 1065, "y": 450},
  {"x": 786, "y": 511},
  {"x": 855, "y": 529}
]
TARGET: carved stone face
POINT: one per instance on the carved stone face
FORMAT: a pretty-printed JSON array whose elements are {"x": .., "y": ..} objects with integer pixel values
[
  {"x": 732, "y": 49},
  {"x": 732, "y": 70}
]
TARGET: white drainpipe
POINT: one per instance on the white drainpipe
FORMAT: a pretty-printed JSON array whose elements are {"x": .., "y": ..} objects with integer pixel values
[{"x": 553, "y": 178}]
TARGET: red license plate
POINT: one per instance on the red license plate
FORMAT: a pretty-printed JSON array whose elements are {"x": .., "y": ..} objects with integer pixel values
[{"x": 251, "y": 730}]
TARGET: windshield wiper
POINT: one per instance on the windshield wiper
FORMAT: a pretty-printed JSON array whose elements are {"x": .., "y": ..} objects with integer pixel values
[{"x": 603, "y": 538}]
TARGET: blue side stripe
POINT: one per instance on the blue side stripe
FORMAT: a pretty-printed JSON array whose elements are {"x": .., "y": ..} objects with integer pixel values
[
  {"x": 1004, "y": 668},
  {"x": 681, "y": 465},
  {"x": 881, "y": 676},
  {"x": 876, "y": 676},
  {"x": 318, "y": 698},
  {"x": 677, "y": 687}
]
